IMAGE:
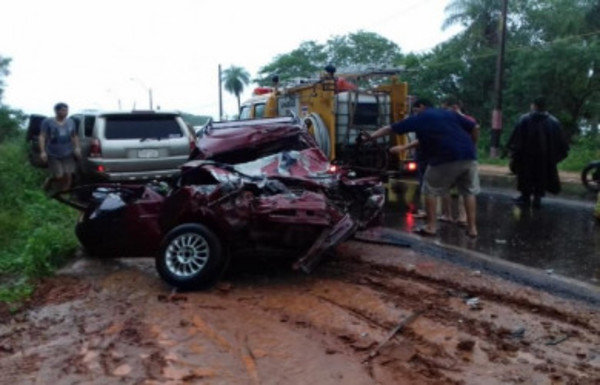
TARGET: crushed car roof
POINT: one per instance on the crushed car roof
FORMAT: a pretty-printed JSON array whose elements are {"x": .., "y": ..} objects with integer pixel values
[{"x": 218, "y": 139}]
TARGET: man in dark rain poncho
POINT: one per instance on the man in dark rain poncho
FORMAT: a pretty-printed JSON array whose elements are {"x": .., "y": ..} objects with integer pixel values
[{"x": 537, "y": 145}]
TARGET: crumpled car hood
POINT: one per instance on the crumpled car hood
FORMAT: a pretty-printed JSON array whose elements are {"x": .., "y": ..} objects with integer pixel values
[{"x": 310, "y": 165}]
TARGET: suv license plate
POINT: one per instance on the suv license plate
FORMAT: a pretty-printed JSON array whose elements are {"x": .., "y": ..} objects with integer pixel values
[{"x": 148, "y": 153}]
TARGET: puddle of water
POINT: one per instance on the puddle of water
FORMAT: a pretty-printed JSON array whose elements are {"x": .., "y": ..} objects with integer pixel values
[{"x": 562, "y": 237}]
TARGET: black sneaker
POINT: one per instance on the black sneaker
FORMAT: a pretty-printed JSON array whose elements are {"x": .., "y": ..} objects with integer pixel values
[{"x": 522, "y": 200}]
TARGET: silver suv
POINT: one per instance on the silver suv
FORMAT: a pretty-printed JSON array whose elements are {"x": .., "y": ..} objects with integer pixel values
[
  {"x": 124, "y": 146},
  {"x": 133, "y": 146}
]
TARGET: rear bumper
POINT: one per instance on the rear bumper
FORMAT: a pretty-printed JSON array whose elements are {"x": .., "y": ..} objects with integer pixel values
[
  {"x": 131, "y": 171},
  {"x": 134, "y": 176}
]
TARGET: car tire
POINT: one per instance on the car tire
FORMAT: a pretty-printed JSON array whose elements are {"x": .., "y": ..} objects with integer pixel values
[{"x": 191, "y": 257}]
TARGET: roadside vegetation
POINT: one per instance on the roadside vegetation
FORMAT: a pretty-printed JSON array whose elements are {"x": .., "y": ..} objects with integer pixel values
[
  {"x": 584, "y": 149},
  {"x": 37, "y": 232}
]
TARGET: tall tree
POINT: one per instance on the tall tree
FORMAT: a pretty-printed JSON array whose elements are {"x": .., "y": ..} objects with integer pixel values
[
  {"x": 302, "y": 62},
  {"x": 10, "y": 120},
  {"x": 547, "y": 20},
  {"x": 439, "y": 73},
  {"x": 344, "y": 52},
  {"x": 362, "y": 49},
  {"x": 4, "y": 63},
  {"x": 562, "y": 61},
  {"x": 569, "y": 85},
  {"x": 234, "y": 80},
  {"x": 477, "y": 47},
  {"x": 461, "y": 65},
  {"x": 479, "y": 17}
]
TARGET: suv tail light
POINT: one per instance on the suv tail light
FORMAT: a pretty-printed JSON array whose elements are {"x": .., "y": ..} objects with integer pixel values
[{"x": 95, "y": 149}]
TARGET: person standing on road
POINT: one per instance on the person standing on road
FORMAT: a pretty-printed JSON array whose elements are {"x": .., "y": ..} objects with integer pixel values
[
  {"x": 447, "y": 140},
  {"x": 455, "y": 105},
  {"x": 537, "y": 145},
  {"x": 421, "y": 167},
  {"x": 421, "y": 161},
  {"x": 59, "y": 145}
]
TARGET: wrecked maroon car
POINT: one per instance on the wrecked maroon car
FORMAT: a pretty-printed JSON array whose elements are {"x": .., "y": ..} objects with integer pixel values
[{"x": 289, "y": 204}]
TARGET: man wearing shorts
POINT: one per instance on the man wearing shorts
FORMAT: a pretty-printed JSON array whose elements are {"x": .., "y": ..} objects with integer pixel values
[
  {"x": 447, "y": 141},
  {"x": 59, "y": 145}
]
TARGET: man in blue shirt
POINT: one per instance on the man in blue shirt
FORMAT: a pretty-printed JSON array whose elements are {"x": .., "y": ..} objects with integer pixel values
[
  {"x": 447, "y": 141},
  {"x": 59, "y": 144}
]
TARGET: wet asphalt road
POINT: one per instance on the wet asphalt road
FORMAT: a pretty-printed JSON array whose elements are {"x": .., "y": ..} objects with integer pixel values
[{"x": 562, "y": 237}]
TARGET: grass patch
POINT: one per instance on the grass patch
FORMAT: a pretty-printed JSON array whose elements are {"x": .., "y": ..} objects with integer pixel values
[
  {"x": 584, "y": 149},
  {"x": 37, "y": 232}
]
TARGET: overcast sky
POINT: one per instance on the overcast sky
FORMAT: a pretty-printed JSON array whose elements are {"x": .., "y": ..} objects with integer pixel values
[{"x": 92, "y": 54}]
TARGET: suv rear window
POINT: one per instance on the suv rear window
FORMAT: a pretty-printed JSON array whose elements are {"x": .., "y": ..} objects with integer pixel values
[{"x": 141, "y": 127}]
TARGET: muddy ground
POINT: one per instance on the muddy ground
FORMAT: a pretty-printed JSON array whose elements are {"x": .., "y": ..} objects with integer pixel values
[{"x": 116, "y": 322}]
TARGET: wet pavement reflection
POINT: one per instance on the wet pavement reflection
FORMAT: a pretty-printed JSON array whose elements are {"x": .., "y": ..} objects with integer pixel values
[{"x": 562, "y": 237}]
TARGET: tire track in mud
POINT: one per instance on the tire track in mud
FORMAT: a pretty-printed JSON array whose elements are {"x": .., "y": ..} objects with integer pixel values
[
  {"x": 382, "y": 278},
  {"x": 410, "y": 290},
  {"x": 430, "y": 366},
  {"x": 419, "y": 368},
  {"x": 433, "y": 366},
  {"x": 419, "y": 365},
  {"x": 356, "y": 268}
]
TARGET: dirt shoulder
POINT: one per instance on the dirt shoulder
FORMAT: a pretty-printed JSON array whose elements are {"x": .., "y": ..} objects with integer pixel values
[{"x": 107, "y": 322}]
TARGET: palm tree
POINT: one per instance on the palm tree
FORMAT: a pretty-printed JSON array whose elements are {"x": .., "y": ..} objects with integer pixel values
[
  {"x": 234, "y": 80},
  {"x": 479, "y": 17}
]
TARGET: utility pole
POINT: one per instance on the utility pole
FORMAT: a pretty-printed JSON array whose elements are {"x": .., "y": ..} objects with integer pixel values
[
  {"x": 108, "y": 90},
  {"x": 150, "y": 104},
  {"x": 220, "y": 96},
  {"x": 497, "y": 113}
]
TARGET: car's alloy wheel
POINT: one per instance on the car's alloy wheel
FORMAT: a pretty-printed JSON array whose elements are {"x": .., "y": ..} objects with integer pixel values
[
  {"x": 191, "y": 257},
  {"x": 187, "y": 254}
]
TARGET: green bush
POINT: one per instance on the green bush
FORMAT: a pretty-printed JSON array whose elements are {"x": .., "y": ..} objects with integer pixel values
[
  {"x": 37, "y": 232},
  {"x": 10, "y": 123},
  {"x": 583, "y": 150}
]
